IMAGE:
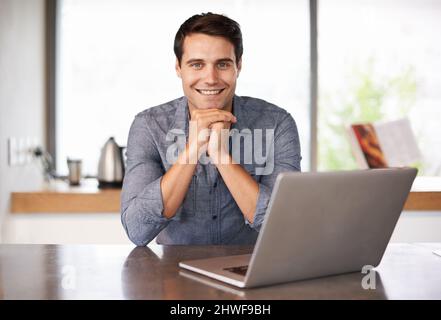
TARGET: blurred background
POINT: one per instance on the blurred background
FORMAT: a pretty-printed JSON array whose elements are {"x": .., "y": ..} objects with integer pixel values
[{"x": 75, "y": 72}]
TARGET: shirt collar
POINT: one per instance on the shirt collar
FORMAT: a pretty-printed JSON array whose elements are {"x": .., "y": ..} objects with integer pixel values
[
  {"x": 240, "y": 113},
  {"x": 179, "y": 124}
]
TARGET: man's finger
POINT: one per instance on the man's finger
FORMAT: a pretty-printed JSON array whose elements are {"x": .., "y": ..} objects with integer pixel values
[
  {"x": 199, "y": 114},
  {"x": 220, "y": 118}
]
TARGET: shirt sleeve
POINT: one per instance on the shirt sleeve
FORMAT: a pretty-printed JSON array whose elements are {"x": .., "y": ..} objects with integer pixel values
[
  {"x": 141, "y": 197},
  {"x": 287, "y": 157}
]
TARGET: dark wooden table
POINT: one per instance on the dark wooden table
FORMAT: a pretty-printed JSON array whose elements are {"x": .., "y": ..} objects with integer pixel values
[{"x": 408, "y": 271}]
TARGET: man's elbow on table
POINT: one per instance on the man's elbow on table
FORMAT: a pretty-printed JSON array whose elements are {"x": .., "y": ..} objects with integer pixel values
[
  {"x": 139, "y": 233},
  {"x": 139, "y": 240}
]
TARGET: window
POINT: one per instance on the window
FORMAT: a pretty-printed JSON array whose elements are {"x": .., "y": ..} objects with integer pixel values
[
  {"x": 115, "y": 59},
  {"x": 379, "y": 60}
]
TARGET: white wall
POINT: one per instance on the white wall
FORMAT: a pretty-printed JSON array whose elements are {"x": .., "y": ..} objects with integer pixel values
[
  {"x": 70, "y": 228},
  {"x": 418, "y": 226},
  {"x": 22, "y": 92}
]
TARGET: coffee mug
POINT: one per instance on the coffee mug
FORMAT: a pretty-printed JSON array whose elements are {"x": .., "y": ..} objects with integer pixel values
[{"x": 74, "y": 166}]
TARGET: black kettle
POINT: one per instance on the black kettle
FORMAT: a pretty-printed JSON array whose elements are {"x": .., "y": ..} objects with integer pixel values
[{"x": 111, "y": 165}]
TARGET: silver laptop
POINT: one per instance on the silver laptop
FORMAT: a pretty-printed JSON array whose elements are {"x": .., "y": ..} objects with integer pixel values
[{"x": 318, "y": 224}]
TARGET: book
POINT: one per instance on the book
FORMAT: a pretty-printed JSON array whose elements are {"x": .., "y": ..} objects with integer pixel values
[{"x": 384, "y": 144}]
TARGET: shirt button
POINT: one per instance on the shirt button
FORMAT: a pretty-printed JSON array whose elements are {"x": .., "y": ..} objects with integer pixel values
[
  {"x": 215, "y": 185},
  {"x": 214, "y": 217}
]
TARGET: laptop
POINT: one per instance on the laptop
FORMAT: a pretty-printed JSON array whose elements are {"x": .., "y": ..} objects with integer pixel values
[{"x": 318, "y": 224}]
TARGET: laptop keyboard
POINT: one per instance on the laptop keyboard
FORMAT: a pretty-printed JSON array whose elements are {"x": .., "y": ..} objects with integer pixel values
[{"x": 242, "y": 270}]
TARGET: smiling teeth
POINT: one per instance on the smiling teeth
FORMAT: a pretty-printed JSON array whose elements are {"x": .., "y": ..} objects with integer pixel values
[{"x": 210, "y": 92}]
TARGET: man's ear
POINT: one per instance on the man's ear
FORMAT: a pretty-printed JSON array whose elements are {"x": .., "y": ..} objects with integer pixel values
[
  {"x": 178, "y": 68},
  {"x": 239, "y": 67}
]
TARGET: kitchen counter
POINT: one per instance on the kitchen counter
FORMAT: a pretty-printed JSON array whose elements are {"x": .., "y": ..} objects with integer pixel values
[
  {"x": 59, "y": 197},
  {"x": 407, "y": 271}
]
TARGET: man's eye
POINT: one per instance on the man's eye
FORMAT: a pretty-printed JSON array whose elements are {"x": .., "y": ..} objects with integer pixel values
[
  {"x": 223, "y": 65},
  {"x": 196, "y": 65}
]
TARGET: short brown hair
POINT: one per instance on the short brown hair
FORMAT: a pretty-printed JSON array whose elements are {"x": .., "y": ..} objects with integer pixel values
[{"x": 211, "y": 24}]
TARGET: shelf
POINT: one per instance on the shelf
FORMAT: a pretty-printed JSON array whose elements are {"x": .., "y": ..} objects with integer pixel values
[{"x": 59, "y": 197}]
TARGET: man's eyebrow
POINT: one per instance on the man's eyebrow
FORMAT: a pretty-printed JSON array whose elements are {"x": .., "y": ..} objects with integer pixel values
[
  {"x": 194, "y": 60},
  {"x": 225, "y": 60}
]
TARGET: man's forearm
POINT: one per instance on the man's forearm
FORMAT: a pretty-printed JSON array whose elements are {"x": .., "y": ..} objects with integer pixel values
[
  {"x": 243, "y": 188},
  {"x": 175, "y": 183}
]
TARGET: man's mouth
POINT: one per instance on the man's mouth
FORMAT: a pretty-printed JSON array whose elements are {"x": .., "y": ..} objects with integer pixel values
[{"x": 210, "y": 92}]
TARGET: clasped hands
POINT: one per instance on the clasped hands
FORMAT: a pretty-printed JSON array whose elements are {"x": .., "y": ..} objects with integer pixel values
[{"x": 209, "y": 132}]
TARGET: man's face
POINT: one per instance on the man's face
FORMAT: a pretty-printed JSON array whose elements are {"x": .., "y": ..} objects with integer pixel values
[{"x": 208, "y": 71}]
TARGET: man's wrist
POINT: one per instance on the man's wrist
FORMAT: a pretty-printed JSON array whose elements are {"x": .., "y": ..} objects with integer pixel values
[
  {"x": 221, "y": 157},
  {"x": 189, "y": 155}
]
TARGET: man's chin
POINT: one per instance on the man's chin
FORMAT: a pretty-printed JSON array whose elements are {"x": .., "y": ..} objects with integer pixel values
[
  {"x": 214, "y": 107},
  {"x": 205, "y": 106}
]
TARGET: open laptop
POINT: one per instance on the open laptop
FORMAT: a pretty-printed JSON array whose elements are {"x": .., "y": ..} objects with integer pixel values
[{"x": 318, "y": 224}]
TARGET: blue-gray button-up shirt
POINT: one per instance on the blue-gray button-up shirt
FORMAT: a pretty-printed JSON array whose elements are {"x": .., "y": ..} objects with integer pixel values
[{"x": 208, "y": 214}]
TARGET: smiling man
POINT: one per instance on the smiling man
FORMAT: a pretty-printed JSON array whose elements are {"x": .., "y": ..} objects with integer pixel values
[{"x": 207, "y": 193}]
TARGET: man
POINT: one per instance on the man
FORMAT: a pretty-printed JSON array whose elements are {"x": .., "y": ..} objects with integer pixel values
[{"x": 186, "y": 181}]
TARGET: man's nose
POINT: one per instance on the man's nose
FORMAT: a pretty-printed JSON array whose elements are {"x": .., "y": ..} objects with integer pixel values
[{"x": 211, "y": 76}]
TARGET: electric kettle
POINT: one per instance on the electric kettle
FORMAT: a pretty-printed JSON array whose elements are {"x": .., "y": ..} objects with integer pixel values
[{"x": 111, "y": 165}]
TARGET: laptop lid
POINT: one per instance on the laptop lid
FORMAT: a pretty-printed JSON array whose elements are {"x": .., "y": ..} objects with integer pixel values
[{"x": 325, "y": 223}]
